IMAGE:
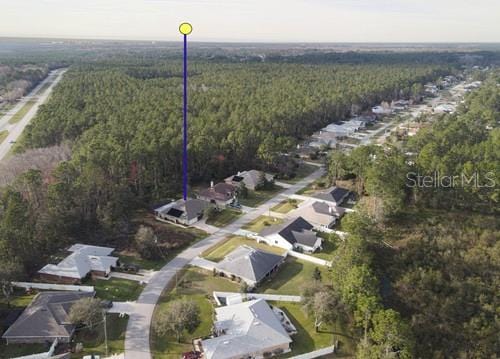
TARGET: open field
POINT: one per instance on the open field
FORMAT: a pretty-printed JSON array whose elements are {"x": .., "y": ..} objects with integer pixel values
[
  {"x": 256, "y": 198},
  {"x": 220, "y": 250}
]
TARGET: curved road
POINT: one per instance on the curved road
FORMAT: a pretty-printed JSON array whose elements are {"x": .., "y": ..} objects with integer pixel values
[
  {"x": 139, "y": 323},
  {"x": 17, "y": 128}
]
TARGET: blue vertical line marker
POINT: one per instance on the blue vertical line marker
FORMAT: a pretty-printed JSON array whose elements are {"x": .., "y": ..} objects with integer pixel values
[
  {"x": 185, "y": 29},
  {"x": 185, "y": 154}
]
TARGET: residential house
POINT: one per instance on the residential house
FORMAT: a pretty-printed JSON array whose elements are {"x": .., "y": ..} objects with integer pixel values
[
  {"x": 294, "y": 234},
  {"x": 322, "y": 215},
  {"x": 45, "y": 319},
  {"x": 250, "y": 264},
  {"x": 252, "y": 179},
  {"x": 182, "y": 212},
  {"x": 334, "y": 195},
  {"x": 324, "y": 139},
  {"x": 246, "y": 330},
  {"x": 84, "y": 261},
  {"x": 220, "y": 195}
]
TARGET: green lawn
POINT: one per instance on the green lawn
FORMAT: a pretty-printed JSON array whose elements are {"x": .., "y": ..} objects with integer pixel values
[
  {"x": 286, "y": 206},
  {"x": 261, "y": 222},
  {"x": 116, "y": 289},
  {"x": 197, "y": 285},
  {"x": 256, "y": 198},
  {"x": 93, "y": 342},
  {"x": 223, "y": 218},
  {"x": 330, "y": 245},
  {"x": 18, "y": 116},
  {"x": 220, "y": 250},
  {"x": 307, "y": 339},
  {"x": 3, "y": 135},
  {"x": 291, "y": 278}
]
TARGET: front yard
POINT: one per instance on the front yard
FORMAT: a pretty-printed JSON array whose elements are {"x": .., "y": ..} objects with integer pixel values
[
  {"x": 116, "y": 289},
  {"x": 304, "y": 170},
  {"x": 286, "y": 206},
  {"x": 261, "y": 222},
  {"x": 197, "y": 285},
  {"x": 220, "y": 250},
  {"x": 256, "y": 198},
  {"x": 93, "y": 342}
]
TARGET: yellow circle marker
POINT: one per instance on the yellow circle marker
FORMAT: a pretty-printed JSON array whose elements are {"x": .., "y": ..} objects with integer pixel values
[{"x": 185, "y": 28}]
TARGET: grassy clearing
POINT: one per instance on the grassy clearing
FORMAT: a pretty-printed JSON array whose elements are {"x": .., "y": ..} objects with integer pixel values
[
  {"x": 256, "y": 198},
  {"x": 330, "y": 245},
  {"x": 197, "y": 285},
  {"x": 312, "y": 188},
  {"x": 223, "y": 218},
  {"x": 22, "y": 112},
  {"x": 116, "y": 289},
  {"x": 302, "y": 171},
  {"x": 261, "y": 222},
  {"x": 3, "y": 135},
  {"x": 307, "y": 339},
  {"x": 220, "y": 250},
  {"x": 286, "y": 206},
  {"x": 93, "y": 342},
  {"x": 172, "y": 240},
  {"x": 291, "y": 278}
]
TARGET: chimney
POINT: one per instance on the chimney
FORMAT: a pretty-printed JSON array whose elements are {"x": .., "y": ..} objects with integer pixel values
[
  {"x": 211, "y": 184},
  {"x": 330, "y": 209}
]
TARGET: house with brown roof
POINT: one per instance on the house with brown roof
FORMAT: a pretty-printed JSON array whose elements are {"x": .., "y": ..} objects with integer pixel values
[{"x": 221, "y": 195}]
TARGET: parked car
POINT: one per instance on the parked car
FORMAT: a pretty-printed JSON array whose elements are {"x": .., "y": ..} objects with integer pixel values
[
  {"x": 191, "y": 355},
  {"x": 129, "y": 267}
]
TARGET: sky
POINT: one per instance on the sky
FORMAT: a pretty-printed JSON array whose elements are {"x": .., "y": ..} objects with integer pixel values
[{"x": 256, "y": 20}]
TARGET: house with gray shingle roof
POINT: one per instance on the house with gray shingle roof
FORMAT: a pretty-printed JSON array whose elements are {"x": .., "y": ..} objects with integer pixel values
[
  {"x": 45, "y": 319},
  {"x": 186, "y": 212},
  {"x": 334, "y": 195},
  {"x": 322, "y": 215},
  {"x": 246, "y": 330},
  {"x": 252, "y": 179},
  {"x": 250, "y": 264},
  {"x": 296, "y": 233}
]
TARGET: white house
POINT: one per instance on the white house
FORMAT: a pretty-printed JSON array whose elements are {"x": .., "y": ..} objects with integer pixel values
[
  {"x": 246, "y": 330},
  {"x": 183, "y": 212},
  {"x": 294, "y": 234}
]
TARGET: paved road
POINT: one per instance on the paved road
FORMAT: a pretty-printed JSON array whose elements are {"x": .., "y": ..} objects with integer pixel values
[
  {"x": 16, "y": 129},
  {"x": 139, "y": 323}
]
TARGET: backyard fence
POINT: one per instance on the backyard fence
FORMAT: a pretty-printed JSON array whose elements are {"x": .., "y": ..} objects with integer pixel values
[
  {"x": 47, "y": 286},
  {"x": 316, "y": 354},
  {"x": 309, "y": 258}
]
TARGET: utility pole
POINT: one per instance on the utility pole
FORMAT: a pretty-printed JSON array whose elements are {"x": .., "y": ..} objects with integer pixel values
[{"x": 105, "y": 332}]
